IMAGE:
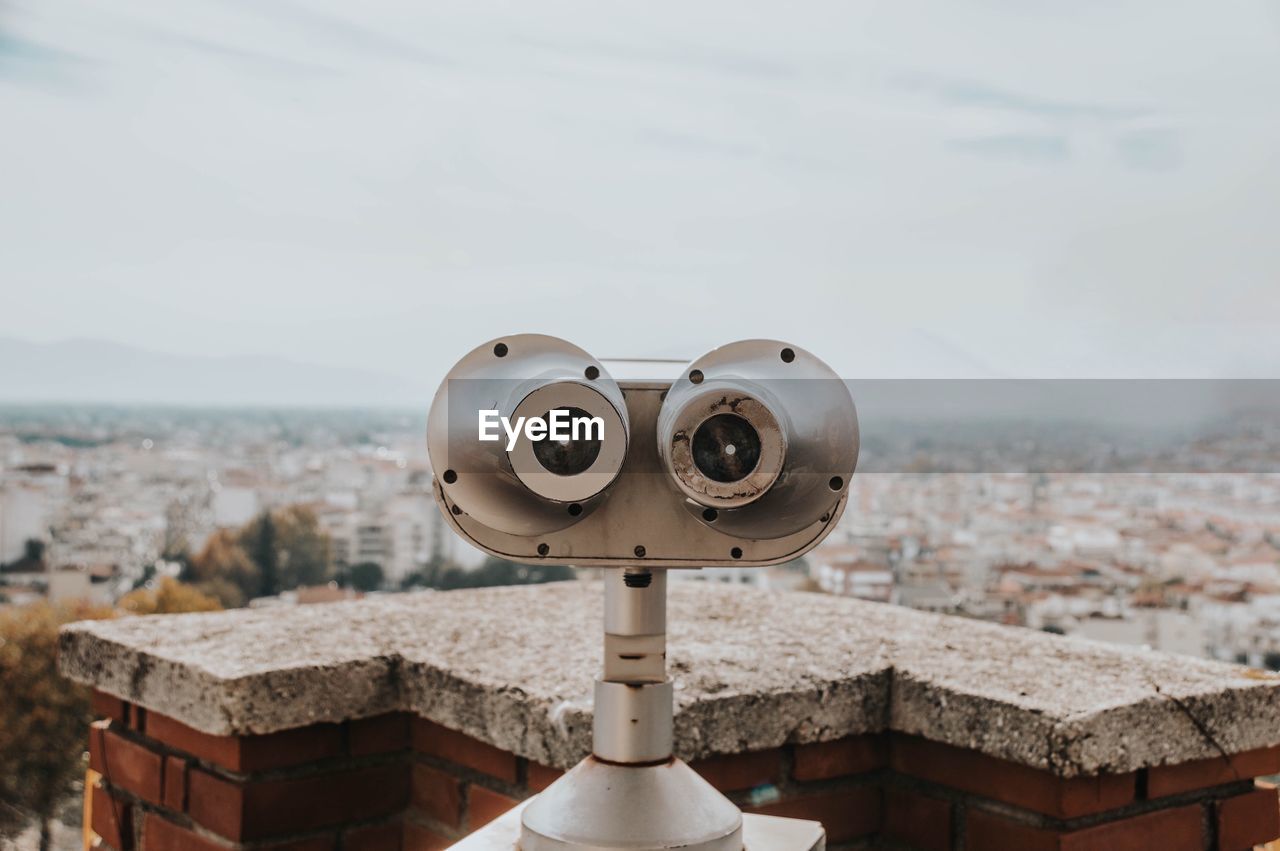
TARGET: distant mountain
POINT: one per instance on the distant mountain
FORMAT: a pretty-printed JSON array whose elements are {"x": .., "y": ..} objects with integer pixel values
[{"x": 104, "y": 372}]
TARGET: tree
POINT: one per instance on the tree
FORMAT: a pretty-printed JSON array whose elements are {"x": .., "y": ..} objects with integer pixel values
[
  {"x": 289, "y": 549},
  {"x": 365, "y": 576},
  {"x": 497, "y": 571},
  {"x": 259, "y": 540},
  {"x": 33, "y": 550},
  {"x": 304, "y": 548},
  {"x": 224, "y": 570},
  {"x": 31, "y": 561},
  {"x": 42, "y": 716},
  {"x": 179, "y": 520},
  {"x": 169, "y": 597}
]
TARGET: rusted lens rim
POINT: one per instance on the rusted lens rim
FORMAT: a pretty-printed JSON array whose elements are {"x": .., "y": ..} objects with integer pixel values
[
  {"x": 605, "y": 468},
  {"x": 707, "y": 491}
]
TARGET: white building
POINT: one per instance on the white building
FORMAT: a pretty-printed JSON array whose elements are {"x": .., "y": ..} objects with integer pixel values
[
  {"x": 234, "y": 505},
  {"x": 1166, "y": 630},
  {"x": 25, "y": 515}
]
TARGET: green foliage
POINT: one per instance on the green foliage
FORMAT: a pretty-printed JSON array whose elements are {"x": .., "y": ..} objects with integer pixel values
[
  {"x": 276, "y": 551},
  {"x": 148, "y": 575},
  {"x": 259, "y": 540},
  {"x": 289, "y": 549},
  {"x": 31, "y": 561},
  {"x": 33, "y": 550},
  {"x": 43, "y": 717},
  {"x": 496, "y": 571},
  {"x": 365, "y": 576}
]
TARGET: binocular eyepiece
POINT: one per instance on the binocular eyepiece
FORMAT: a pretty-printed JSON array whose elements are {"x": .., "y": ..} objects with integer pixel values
[{"x": 539, "y": 453}]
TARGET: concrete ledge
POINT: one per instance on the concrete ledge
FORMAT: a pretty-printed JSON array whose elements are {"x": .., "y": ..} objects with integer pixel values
[{"x": 753, "y": 669}]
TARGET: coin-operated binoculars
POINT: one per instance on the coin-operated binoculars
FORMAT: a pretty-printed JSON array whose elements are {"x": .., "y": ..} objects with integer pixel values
[{"x": 742, "y": 460}]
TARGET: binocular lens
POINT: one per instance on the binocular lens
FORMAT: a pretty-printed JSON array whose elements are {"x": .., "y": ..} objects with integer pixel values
[
  {"x": 567, "y": 457},
  {"x": 726, "y": 448}
]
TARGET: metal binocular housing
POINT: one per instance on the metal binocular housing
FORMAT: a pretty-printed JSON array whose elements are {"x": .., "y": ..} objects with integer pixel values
[{"x": 741, "y": 459}]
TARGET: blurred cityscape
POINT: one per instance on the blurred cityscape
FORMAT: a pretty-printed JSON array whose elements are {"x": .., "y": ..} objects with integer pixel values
[{"x": 96, "y": 503}]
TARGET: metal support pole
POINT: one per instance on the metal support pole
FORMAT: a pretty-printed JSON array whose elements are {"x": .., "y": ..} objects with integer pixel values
[
  {"x": 633, "y": 699},
  {"x": 632, "y": 793}
]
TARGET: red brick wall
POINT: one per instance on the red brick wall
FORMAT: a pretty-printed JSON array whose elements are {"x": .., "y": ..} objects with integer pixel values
[{"x": 398, "y": 783}]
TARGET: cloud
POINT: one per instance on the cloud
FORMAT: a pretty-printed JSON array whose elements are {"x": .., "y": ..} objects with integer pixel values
[
  {"x": 336, "y": 29},
  {"x": 1150, "y": 150},
  {"x": 31, "y": 61},
  {"x": 639, "y": 181},
  {"x": 1022, "y": 147},
  {"x": 975, "y": 94}
]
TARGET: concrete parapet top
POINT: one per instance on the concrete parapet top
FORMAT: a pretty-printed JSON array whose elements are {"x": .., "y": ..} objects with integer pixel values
[{"x": 753, "y": 669}]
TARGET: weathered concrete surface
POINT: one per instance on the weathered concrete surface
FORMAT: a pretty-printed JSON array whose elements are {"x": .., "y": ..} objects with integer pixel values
[{"x": 753, "y": 669}]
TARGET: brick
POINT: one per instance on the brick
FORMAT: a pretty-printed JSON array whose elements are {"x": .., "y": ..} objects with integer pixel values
[
  {"x": 266, "y": 808},
  {"x": 845, "y": 813},
  {"x": 1008, "y": 782},
  {"x": 485, "y": 805},
  {"x": 175, "y": 783},
  {"x": 160, "y": 834},
  {"x": 378, "y": 837},
  {"x": 1096, "y": 794},
  {"x": 109, "y": 706},
  {"x": 437, "y": 794},
  {"x": 382, "y": 734},
  {"x": 216, "y": 803},
  {"x": 221, "y": 750},
  {"x": 97, "y": 729},
  {"x": 432, "y": 739},
  {"x": 541, "y": 776},
  {"x": 1184, "y": 776},
  {"x": 732, "y": 772},
  {"x": 132, "y": 766},
  {"x": 313, "y": 843},
  {"x": 419, "y": 838},
  {"x": 1249, "y": 819},
  {"x": 922, "y": 822},
  {"x": 991, "y": 832},
  {"x": 1180, "y": 829},
  {"x": 137, "y": 718},
  {"x": 851, "y": 755},
  {"x": 250, "y": 753},
  {"x": 111, "y": 819}
]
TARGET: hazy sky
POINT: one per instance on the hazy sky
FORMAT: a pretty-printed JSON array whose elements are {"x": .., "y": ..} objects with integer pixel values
[{"x": 995, "y": 188}]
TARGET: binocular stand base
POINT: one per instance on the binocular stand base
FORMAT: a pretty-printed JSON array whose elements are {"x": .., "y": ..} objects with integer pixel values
[
  {"x": 632, "y": 794},
  {"x": 759, "y": 833},
  {"x": 603, "y": 807}
]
